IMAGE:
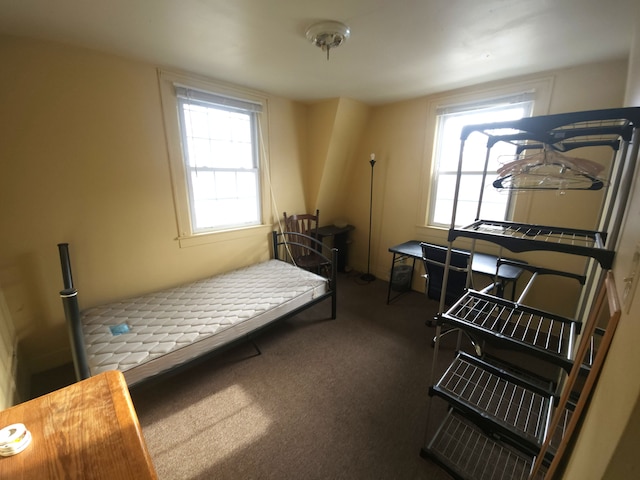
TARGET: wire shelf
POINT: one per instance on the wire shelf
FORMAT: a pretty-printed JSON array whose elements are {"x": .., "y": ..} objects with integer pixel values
[
  {"x": 515, "y": 408},
  {"x": 546, "y": 335},
  {"x": 559, "y": 431},
  {"x": 468, "y": 453},
  {"x": 521, "y": 237},
  {"x": 592, "y": 349}
]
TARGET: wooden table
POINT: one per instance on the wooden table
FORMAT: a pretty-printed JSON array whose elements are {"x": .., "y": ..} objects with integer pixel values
[{"x": 88, "y": 430}]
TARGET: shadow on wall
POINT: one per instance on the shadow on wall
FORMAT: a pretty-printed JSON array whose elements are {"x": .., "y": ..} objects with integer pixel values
[{"x": 22, "y": 286}]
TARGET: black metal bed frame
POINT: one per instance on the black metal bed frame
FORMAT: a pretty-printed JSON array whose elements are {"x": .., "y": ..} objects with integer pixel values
[{"x": 69, "y": 297}]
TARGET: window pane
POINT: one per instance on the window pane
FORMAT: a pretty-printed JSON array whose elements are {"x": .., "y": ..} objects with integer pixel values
[
  {"x": 222, "y": 198},
  {"x": 246, "y": 184},
  {"x": 444, "y": 194},
  {"x": 221, "y": 159},
  {"x": 494, "y": 202},
  {"x": 196, "y": 123},
  {"x": 468, "y": 195},
  {"x": 225, "y": 185},
  {"x": 447, "y": 161},
  {"x": 476, "y": 144},
  {"x": 203, "y": 185},
  {"x": 218, "y": 138},
  {"x": 199, "y": 152}
]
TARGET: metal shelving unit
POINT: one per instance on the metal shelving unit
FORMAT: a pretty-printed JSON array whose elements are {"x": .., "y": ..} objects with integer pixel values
[{"x": 500, "y": 424}]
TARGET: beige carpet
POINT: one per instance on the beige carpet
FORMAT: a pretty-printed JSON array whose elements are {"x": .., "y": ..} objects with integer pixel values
[{"x": 327, "y": 399}]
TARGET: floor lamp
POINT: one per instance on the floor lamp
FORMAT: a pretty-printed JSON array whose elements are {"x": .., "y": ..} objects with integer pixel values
[{"x": 368, "y": 277}]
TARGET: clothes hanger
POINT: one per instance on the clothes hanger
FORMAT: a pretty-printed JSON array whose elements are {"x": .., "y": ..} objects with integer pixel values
[{"x": 549, "y": 170}]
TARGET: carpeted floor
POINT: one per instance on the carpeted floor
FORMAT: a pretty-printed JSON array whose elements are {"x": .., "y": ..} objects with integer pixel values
[{"x": 327, "y": 399}]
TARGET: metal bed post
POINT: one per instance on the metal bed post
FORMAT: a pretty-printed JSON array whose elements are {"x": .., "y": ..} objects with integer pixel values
[
  {"x": 333, "y": 276},
  {"x": 274, "y": 239},
  {"x": 72, "y": 314},
  {"x": 334, "y": 282}
]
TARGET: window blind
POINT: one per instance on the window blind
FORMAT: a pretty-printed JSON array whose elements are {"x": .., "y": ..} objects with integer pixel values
[
  {"x": 218, "y": 100},
  {"x": 487, "y": 103}
]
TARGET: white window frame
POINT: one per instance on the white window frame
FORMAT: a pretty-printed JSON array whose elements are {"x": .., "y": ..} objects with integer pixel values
[
  {"x": 541, "y": 87},
  {"x": 173, "y": 84}
]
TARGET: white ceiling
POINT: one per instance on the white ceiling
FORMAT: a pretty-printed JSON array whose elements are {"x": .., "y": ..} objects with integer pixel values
[{"x": 398, "y": 49}]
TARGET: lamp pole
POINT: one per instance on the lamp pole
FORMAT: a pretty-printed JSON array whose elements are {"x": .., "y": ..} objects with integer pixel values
[{"x": 368, "y": 277}]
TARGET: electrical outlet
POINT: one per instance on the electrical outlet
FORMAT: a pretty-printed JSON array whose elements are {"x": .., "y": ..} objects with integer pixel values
[{"x": 631, "y": 280}]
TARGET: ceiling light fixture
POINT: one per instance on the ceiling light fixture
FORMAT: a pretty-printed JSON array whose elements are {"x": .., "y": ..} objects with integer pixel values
[{"x": 328, "y": 35}]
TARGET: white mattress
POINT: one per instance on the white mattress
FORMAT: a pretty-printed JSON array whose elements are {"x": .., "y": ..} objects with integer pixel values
[{"x": 147, "y": 335}]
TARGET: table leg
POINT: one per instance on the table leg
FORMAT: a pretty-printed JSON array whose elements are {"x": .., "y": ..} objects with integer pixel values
[{"x": 393, "y": 265}]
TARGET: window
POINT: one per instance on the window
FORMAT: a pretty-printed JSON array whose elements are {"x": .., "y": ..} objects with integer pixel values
[
  {"x": 450, "y": 120},
  {"x": 219, "y": 141},
  {"x": 216, "y": 139}
]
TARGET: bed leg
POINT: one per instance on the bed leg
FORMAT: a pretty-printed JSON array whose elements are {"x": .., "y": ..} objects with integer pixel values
[
  {"x": 255, "y": 345},
  {"x": 334, "y": 282}
]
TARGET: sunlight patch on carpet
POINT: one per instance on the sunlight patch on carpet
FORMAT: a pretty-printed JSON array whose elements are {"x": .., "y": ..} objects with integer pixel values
[{"x": 218, "y": 427}]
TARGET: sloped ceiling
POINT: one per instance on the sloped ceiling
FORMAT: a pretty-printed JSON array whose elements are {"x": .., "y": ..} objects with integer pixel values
[{"x": 398, "y": 49}]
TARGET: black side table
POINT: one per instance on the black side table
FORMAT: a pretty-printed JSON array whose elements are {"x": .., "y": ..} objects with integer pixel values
[{"x": 340, "y": 240}]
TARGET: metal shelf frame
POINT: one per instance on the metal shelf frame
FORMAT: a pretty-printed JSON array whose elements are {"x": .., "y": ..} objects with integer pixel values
[
  {"x": 501, "y": 400},
  {"x": 546, "y": 335},
  {"x": 498, "y": 425},
  {"x": 466, "y": 451},
  {"x": 521, "y": 237}
]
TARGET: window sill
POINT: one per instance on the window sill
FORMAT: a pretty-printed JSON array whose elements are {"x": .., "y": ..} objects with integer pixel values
[{"x": 223, "y": 236}]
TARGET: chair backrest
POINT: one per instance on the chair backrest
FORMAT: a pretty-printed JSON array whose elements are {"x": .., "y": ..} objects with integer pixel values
[
  {"x": 305, "y": 223},
  {"x": 434, "y": 258}
]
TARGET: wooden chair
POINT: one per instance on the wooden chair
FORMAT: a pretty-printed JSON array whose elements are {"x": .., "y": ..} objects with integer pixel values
[{"x": 302, "y": 240}]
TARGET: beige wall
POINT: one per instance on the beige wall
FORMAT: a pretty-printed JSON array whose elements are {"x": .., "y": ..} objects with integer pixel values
[
  {"x": 395, "y": 134},
  {"x": 287, "y": 149},
  {"x": 607, "y": 447},
  {"x": 336, "y": 127},
  {"x": 401, "y": 136},
  {"x": 8, "y": 346},
  {"x": 84, "y": 161}
]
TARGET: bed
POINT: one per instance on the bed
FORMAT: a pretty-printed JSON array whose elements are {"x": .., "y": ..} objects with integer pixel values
[{"x": 153, "y": 334}]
